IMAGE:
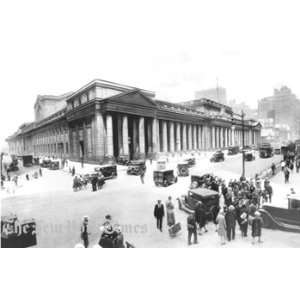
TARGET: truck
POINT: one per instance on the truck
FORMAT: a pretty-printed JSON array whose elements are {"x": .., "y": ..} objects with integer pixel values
[{"x": 265, "y": 150}]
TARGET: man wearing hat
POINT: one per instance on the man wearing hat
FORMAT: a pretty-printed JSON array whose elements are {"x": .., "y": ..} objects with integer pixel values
[
  {"x": 84, "y": 231},
  {"x": 230, "y": 219},
  {"x": 159, "y": 213}
]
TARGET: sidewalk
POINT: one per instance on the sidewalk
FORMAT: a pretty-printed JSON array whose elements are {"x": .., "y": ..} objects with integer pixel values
[{"x": 281, "y": 189}]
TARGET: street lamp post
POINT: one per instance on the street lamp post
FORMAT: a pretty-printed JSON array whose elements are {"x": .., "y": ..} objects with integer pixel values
[{"x": 243, "y": 144}]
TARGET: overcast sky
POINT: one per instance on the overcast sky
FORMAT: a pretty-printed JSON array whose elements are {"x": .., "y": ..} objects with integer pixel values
[{"x": 171, "y": 47}]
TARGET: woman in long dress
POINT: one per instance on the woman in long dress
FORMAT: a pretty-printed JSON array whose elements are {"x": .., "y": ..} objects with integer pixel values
[
  {"x": 170, "y": 212},
  {"x": 221, "y": 227}
]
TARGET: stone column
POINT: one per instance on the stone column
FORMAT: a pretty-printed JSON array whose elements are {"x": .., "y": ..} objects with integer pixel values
[
  {"x": 135, "y": 145},
  {"x": 142, "y": 136},
  {"x": 178, "y": 137},
  {"x": 213, "y": 137},
  {"x": 200, "y": 140},
  {"x": 195, "y": 145},
  {"x": 184, "y": 141},
  {"x": 155, "y": 136},
  {"x": 190, "y": 137},
  {"x": 99, "y": 137},
  {"x": 217, "y": 137},
  {"x": 120, "y": 138},
  {"x": 165, "y": 136},
  {"x": 125, "y": 136},
  {"x": 109, "y": 136},
  {"x": 172, "y": 145},
  {"x": 221, "y": 137}
]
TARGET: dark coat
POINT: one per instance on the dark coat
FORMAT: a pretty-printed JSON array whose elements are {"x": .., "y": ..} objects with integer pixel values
[
  {"x": 230, "y": 219},
  {"x": 256, "y": 226},
  {"x": 159, "y": 211},
  {"x": 200, "y": 216},
  {"x": 191, "y": 223}
]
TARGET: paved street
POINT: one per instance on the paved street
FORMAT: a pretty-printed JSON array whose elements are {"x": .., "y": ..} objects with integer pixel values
[{"x": 58, "y": 210}]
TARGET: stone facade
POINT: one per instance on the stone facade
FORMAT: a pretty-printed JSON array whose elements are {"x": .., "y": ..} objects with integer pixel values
[{"x": 103, "y": 121}]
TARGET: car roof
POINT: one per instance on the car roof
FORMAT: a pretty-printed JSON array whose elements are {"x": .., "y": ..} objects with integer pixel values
[
  {"x": 204, "y": 192},
  {"x": 164, "y": 171}
]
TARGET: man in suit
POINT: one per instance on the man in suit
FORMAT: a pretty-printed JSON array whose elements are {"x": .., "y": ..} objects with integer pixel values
[
  {"x": 230, "y": 218},
  {"x": 192, "y": 228},
  {"x": 159, "y": 213}
]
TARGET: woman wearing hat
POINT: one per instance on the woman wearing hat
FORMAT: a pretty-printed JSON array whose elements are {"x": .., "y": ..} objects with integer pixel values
[{"x": 257, "y": 223}]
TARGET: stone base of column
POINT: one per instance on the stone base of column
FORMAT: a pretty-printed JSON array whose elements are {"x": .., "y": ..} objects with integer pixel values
[
  {"x": 124, "y": 157},
  {"x": 109, "y": 160}
]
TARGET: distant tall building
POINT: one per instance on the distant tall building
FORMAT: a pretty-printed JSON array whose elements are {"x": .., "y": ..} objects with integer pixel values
[
  {"x": 284, "y": 108},
  {"x": 217, "y": 94}
]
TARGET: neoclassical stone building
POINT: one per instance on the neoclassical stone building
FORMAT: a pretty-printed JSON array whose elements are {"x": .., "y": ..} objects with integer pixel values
[{"x": 104, "y": 120}]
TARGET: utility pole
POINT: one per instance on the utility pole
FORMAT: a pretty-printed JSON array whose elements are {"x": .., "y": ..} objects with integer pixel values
[{"x": 243, "y": 144}]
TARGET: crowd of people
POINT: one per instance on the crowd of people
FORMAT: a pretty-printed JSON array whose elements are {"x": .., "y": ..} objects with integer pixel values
[
  {"x": 111, "y": 235},
  {"x": 288, "y": 165},
  {"x": 10, "y": 182}
]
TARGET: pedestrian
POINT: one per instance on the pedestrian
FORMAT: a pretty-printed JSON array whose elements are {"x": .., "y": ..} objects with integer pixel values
[
  {"x": 221, "y": 227},
  {"x": 298, "y": 165},
  {"x": 269, "y": 191},
  {"x": 200, "y": 217},
  {"x": 142, "y": 175},
  {"x": 73, "y": 171},
  {"x": 291, "y": 165},
  {"x": 94, "y": 182},
  {"x": 273, "y": 167},
  {"x": 282, "y": 165},
  {"x": 286, "y": 174},
  {"x": 27, "y": 177},
  {"x": 244, "y": 224},
  {"x": 84, "y": 231},
  {"x": 230, "y": 219},
  {"x": 40, "y": 171},
  {"x": 170, "y": 212},
  {"x": 192, "y": 228},
  {"x": 257, "y": 223},
  {"x": 159, "y": 213}
]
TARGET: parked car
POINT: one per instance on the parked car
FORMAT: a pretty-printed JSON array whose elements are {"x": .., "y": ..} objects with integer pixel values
[
  {"x": 108, "y": 171},
  {"x": 233, "y": 150},
  {"x": 190, "y": 161},
  {"x": 45, "y": 163},
  {"x": 217, "y": 156},
  {"x": 136, "y": 167},
  {"x": 54, "y": 165},
  {"x": 164, "y": 177},
  {"x": 183, "y": 169},
  {"x": 210, "y": 200},
  {"x": 122, "y": 161},
  {"x": 249, "y": 156}
]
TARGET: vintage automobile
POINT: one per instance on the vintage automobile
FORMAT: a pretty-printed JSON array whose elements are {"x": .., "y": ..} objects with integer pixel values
[
  {"x": 17, "y": 234},
  {"x": 217, "y": 156},
  {"x": 164, "y": 177},
  {"x": 45, "y": 163},
  {"x": 209, "y": 199},
  {"x": 108, "y": 171},
  {"x": 249, "y": 156},
  {"x": 161, "y": 164},
  {"x": 190, "y": 161},
  {"x": 122, "y": 161},
  {"x": 265, "y": 150},
  {"x": 54, "y": 165},
  {"x": 136, "y": 167},
  {"x": 277, "y": 151},
  {"x": 294, "y": 202},
  {"x": 233, "y": 150},
  {"x": 183, "y": 169}
]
